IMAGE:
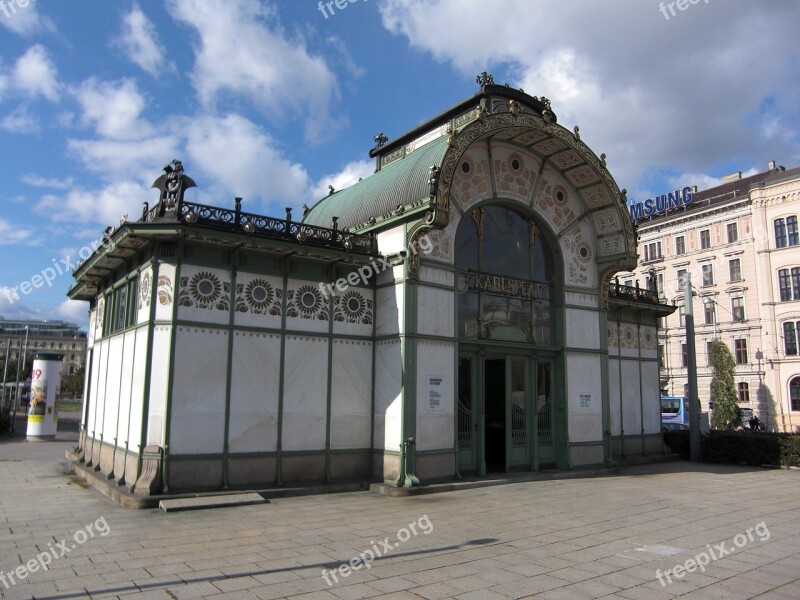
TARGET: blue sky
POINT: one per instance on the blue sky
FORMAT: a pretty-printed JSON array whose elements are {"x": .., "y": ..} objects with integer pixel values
[{"x": 272, "y": 101}]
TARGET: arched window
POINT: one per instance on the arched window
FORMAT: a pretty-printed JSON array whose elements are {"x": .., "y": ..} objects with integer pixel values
[
  {"x": 794, "y": 393},
  {"x": 505, "y": 277}
]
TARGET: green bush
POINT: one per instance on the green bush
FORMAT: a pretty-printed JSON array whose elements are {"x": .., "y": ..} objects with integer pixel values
[{"x": 740, "y": 448}]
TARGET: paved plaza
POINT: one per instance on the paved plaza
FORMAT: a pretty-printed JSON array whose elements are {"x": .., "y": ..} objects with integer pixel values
[{"x": 606, "y": 537}]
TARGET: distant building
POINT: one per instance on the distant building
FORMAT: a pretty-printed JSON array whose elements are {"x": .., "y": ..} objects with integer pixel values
[
  {"x": 740, "y": 243},
  {"x": 58, "y": 336}
]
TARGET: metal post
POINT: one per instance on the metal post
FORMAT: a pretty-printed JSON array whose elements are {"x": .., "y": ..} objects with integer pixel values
[
  {"x": 695, "y": 452},
  {"x": 5, "y": 372}
]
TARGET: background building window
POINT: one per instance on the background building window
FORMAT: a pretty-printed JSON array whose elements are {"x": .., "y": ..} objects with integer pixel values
[
  {"x": 737, "y": 308},
  {"x": 708, "y": 352},
  {"x": 789, "y": 284},
  {"x": 709, "y": 312},
  {"x": 684, "y": 355},
  {"x": 652, "y": 251},
  {"x": 681, "y": 315},
  {"x": 733, "y": 233},
  {"x": 744, "y": 392},
  {"x": 780, "y": 233},
  {"x": 708, "y": 274},
  {"x": 791, "y": 231},
  {"x": 740, "y": 351},
  {"x": 661, "y": 355},
  {"x": 680, "y": 277},
  {"x": 790, "y": 331},
  {"x": 685, "y": 390},
  {"x": 680, "y": 245},
  {"x": 794, "y": 393},
  {"x": 735, "y": 269},
  {"x": 705, "y": 239}
]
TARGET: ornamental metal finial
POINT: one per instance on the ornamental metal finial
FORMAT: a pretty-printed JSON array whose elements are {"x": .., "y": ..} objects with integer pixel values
[
  {"x": 381, "y": 139},
  {"x": 484, "y": 79},
  {"x": 172, "y": 184},
  {"x": 577, "y": 132}
]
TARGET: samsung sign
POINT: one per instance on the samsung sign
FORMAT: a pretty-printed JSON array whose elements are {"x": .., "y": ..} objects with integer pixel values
[{"x": 661, "y": 204}]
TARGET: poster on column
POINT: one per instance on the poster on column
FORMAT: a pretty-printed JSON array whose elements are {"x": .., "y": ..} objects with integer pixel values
[{"x": 435, "y": 392}]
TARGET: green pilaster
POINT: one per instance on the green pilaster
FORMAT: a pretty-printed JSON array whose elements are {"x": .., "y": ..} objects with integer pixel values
[
  {"x": 148, "y": 365},
  {"x": 604, "y": 391},
  {"x": 171, "y": 376}
]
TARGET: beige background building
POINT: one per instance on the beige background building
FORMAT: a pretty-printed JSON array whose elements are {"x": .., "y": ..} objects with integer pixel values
[{"x": 740, "y": 244}]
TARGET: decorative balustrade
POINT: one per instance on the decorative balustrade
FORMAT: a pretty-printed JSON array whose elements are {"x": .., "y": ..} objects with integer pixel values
[{"x": 638, "y": 294}]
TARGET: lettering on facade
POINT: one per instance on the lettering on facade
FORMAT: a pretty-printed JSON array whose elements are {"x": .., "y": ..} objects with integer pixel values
[
  {"x": 505, "y": 286},
  {"x": 661, "y": 204}
]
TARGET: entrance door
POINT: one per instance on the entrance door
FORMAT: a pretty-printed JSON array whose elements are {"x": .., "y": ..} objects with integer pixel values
[{"x": 505, "y": 413}]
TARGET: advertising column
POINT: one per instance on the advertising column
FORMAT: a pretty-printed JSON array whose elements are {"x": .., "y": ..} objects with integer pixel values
[{"x": 43, "y": 409}]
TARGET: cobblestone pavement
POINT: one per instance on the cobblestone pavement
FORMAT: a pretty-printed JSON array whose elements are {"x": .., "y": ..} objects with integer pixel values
[{"x": 607, "y": 537}]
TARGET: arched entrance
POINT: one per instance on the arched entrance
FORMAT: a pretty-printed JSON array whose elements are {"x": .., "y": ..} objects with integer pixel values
[{"x": 506, "y": 290}]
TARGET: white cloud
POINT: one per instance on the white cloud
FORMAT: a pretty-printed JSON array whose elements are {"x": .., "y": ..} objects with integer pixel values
[
  {"x": 11, "y": 234},
  {"x": 242, "y": 160},
  {"x": 243, "y": 54},
  {"x": 681, "y": 94},
  {"x": 24, "y": 21},
  {"x": 39, "y": 181},
  {"x": 119, "y": 160},
  {"x": 350, "y": 174},
  {"x": 140, "y": 42},
  {"x": 35, "y": 74},
  {"x": 114, "y": 109},
  {"x": 105, "y": 205},
  {"x": 75, "y": 311},
  {"x": 20, "y": 120}
]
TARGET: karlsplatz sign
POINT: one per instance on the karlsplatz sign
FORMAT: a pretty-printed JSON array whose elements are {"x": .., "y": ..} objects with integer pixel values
[
  {"x": 661, "y": 204},
  {"x": 505, "y": 286}
]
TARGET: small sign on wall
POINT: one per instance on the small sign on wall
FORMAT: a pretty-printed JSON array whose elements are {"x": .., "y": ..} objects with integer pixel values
[
  {"x": 435, "y": 392},
  {"x": 585, "y": 403}
]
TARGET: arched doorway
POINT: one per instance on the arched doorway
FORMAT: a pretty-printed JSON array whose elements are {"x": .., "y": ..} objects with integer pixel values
[{"x": 506, "y": 291}]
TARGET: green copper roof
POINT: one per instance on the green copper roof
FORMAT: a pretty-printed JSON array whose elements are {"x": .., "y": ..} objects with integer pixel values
[{"x": 401, "y": 182}]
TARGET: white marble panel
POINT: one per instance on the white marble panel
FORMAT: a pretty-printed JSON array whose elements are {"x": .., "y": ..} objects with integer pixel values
[
  {"x": 388, "y": 394},
  {"x": 159, "y": 381},
  {"x": 631, "y": 399},
  {"x": 197, "y": 420},
  {"x": 111, "y": 408},
  {"x": 392, "y": 241},
  {"x": 613, "y": 394},
  {"x": 389, "y": 310},
  {"x": 126, "y": 382},
  {"x": 258, "y": 300},
  {"x": 435, "y": 308},
  {"x": 165, "y": 292},
  {"x": 435, "y": 422},
  {"x": 134, "y": 434},
  {"x": 581, "y": 299},
  {"x": 255, "y": 385},
  {"x": 651, "y": 396},
  {"x": 584, "y": 397},
  {"x": 436, "y": 275},
  {"x": 351, "y": 394},
  {"x": 305, "y": 393},
  {"x": 102, "y": 379},
  {"x": 307, "y": 306},
  {"x": 583, "y": 328},
  {"x": 144, "y": 294},
  {"x": 203, "y": 294},
  {"x": 96, "y": 396}
]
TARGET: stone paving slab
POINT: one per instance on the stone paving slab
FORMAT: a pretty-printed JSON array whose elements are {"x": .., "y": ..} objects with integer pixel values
[
  {"x": 204, "y": 502},
  {"x": 597, "y": 537}
]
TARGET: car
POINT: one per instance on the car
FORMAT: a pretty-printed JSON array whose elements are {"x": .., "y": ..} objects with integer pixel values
[{"x": 674, "y": 426}]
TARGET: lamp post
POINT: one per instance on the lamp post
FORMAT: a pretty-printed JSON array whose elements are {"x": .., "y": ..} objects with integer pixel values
[
  {"x": 695, "y": 451},
  {"x": 20, "y": 360},
  {"x": 5, "y": 372},
  {"x": 762, "y": 398}
]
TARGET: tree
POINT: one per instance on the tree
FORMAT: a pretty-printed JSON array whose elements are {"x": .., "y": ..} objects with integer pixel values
[
  {"x": 72, "y": 385},
  {"x": 727, "y": 414}
]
